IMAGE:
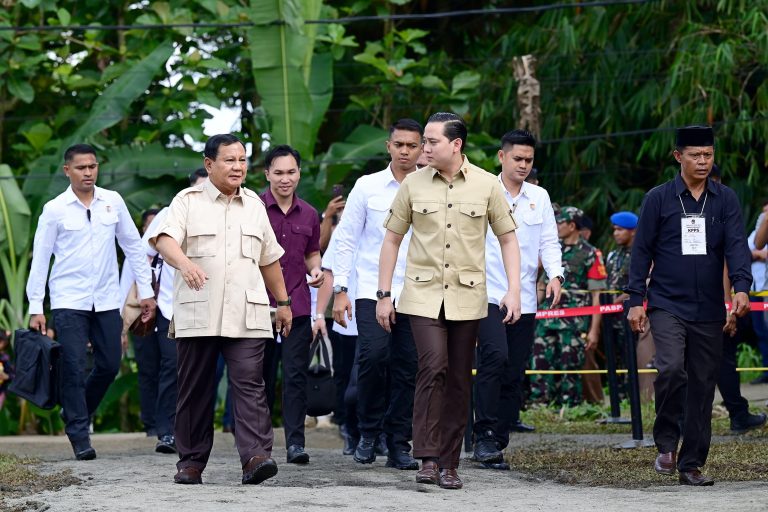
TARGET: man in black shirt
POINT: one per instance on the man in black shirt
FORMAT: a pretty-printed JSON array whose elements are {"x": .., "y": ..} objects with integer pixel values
[{"x": 688, "y": 228}]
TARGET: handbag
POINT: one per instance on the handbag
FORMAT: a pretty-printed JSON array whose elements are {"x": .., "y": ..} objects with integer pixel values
[
  {"x": 138, "y": 327},
  {"x": 321, "y": 388},
  {"x": 38, "y": 368}
]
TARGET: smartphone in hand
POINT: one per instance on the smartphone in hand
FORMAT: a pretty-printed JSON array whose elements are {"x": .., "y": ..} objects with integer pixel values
[{"x": 337, "y": 190}]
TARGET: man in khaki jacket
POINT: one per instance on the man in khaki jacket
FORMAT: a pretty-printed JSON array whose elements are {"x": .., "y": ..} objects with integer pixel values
[
  {"x": 448, "y": 205},
  {"x": 217, "y": 235}
]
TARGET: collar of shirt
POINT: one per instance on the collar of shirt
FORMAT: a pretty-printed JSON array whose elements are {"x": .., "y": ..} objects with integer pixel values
[
  {"x": 214, "y": 193},
  {"x": 681, "y": 187},
  {"x": 463, "y": 171},
  {"x": 70, "y": 197},
  {"x": 524, "y": 191},
  {"x": 271, "y": 202}
]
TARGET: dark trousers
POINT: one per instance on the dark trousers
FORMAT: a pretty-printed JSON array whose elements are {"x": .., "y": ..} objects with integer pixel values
[
  {"x": 293, "y": 350},
  {"x": 386, "y": 377},
  {"x": 728, "y": 381},
  {"x": 503, "y": 354},
  {"x": 443, "y": 386},
  {"x": 81, "y": 395},
  {"x": 156, "y": 360},
  {"x": 197, "y": 393},
  {"x": 343, "y": 360},
  {"x": 688, "y": 360}
]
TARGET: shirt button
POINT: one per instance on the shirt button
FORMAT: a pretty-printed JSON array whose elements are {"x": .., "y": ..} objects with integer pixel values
[
  {"x": 450, "y": 205},
  {"x": 424, "y": 210},
  {"x": 446, "y": 265},
  {"x": 447, "y": 246},
  {"x": 472, "y": 214},
  {"x": 471, "y": 283},
  {"x": 449, "y": 225},
  {"x": 446, "y": 287},
  {"x": 417, "y": 278},
  {"x": 450, "y": 186}
]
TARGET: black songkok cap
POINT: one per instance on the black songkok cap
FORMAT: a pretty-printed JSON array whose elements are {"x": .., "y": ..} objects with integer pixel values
[{"x": 695, "y": 136}]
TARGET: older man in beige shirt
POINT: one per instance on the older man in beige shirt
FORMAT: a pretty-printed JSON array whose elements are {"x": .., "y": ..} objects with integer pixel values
[
  {"x": 449, "y": 205},
  {"x": 217, "y": 235}
]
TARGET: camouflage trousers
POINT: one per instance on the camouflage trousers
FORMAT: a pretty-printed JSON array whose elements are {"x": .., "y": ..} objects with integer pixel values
[{"x": 557, "y": 350}]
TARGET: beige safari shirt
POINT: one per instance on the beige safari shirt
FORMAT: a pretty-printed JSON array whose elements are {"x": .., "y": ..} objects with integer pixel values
[
  {"x": 229, "y": 240},
  {"x": 445, "y": 265}
]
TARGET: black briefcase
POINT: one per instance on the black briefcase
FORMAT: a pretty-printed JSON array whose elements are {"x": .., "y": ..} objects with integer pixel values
[
  {"x": 321, "y": 388},
  {"x": 38, "y": 368}
]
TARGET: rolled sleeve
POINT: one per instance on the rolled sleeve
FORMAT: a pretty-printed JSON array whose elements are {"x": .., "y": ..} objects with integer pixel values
[
  {"x": 399, "y": 218},
  {"x": 500, "y": 217},
  {"x": 270, "y": 249}
]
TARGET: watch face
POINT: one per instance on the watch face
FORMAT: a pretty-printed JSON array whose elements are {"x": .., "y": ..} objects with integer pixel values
[
  {"x": 337, "y": 288},
  {"x": 379, "y": 294}
]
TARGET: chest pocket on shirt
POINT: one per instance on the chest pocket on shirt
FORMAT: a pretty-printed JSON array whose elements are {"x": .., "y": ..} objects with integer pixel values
[
  {"x": 201, "y": 240},
  {"x": 472, "y": 219},
  {"x": 73, "y": 224},
  {"x": 301, "y": 229},
  {"x": 379, "y": 204},
  {"x": 715, "y": 232},
  {"x": 191, "y": 309},
  {"x": 472, "y": 290},
  {"x": 532, "y": 218},
  {"x": 426, "y": 216},
  {"x": 251, "y": 237}
]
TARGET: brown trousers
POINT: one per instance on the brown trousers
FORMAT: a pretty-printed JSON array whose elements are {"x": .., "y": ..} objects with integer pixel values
[
  {"x": 196, "y": 366},
  {"x": 443, "y": 386}
]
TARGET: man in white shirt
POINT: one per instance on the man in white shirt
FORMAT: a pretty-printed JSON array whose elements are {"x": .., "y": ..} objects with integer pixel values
[
  {"x": 387, "y": 361},
  {"x": 504, "y": 350},
  {"x": 78, "y": 227}
]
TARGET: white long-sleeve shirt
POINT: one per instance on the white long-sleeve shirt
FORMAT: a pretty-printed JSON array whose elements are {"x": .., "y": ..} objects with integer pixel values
[
  {"x": 166, "y": 273},
  {"x": 537, "y": 236},
  {"x": 329, "y": 258},
  {"x": 361, "y": 232},
  {"x": 82, "y": 241}
]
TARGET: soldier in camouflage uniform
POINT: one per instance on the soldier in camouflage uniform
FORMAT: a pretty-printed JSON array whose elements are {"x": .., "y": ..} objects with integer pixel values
[
  {"x": 560, "y": 342},
  {"x": 617, "y": 268}
]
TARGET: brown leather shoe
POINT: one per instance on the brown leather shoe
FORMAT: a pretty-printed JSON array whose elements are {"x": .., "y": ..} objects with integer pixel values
[
  {"x": 258, "y": 469},
  {"x": 695, "y": 478},
  {"x": 665, "y": 463},
  {"x": 188, "y": 476},
  {"x": 449, "y": 479},
  {"x": 429, "y": 473}
]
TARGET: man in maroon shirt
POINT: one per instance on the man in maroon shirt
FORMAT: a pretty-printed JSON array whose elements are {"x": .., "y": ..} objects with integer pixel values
[{"x": 297, "y": 227}]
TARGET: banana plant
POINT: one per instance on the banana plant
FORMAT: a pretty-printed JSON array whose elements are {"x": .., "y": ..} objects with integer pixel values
[{"x": 15, "y": 219}]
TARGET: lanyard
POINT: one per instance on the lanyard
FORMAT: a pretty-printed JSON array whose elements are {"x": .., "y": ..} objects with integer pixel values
[{"x": 686, "y": 214}]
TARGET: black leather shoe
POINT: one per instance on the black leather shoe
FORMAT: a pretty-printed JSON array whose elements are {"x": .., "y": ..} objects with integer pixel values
[
  {"x": 498, "y": 466},
  {"x": 258, "y": 469},
  {"x": 695, "y": 478},
  {"x": 83, "y": 450},
  {"x": 522, "y": 427},
  {"x": 188, "y": 476},
  {"x": 381, "y": 445},
  {"x": 665, "y": 463},
  {"x": 350, "y": 443},
  {"x": 401, "y": 460},
  {"x": 166, "y": 444},
  {"x": 365, "y": 453},
  {"x": 485, "y": 448},
  {"x": 297, "y": 455},
  {"x": 747, "y": 422}
]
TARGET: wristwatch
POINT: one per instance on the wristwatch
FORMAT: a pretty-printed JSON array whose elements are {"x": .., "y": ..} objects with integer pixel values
[
  {"x": 560, "y": 278},
  {"x": 338, "y": 289},
  {"x": 286, "y": 302},
  {"x": 319, "y": 316},
  {"x": 381, "y": 294}
]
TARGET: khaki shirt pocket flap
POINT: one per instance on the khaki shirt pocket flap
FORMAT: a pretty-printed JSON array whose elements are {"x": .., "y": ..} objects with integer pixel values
[
  {"x": 257, "y": 297},
  {"x": 420, "y": 275},
  {"x": 252, "y": 230},
  {"x": 425, "y": 207},
  {"x": 471, "y": 279},
  {"x": 257, "y": 314},
  {"x": 473, "y": 209},
  {"x": 187, "y": 294},
  {"x": 201, "y": 229}
]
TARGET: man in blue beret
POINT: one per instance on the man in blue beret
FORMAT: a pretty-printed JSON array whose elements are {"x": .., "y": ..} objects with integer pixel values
[{"x": 617, "y": 268}]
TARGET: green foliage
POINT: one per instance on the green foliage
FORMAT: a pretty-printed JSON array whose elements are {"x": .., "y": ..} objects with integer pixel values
[{"x": 748, "y": 356}]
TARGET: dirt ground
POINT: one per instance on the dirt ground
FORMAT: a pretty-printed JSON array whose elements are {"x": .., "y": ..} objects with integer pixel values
[{"x": 128, "y": 476}]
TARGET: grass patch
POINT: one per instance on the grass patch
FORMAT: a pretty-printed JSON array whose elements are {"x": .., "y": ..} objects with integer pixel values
[
  {"x": 584, "y": 419},
  {"x": 738, "y": 460},
  {"x": 18, "y": 477}
]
